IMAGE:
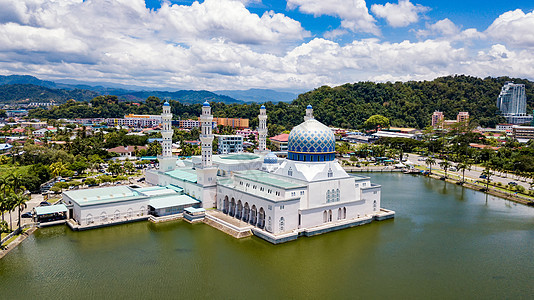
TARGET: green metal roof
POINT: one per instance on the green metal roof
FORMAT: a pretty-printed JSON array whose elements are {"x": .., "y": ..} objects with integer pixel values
[
  {"x": 171, "y": 201},
  {"x": 184, "y": 174},
  {"x": 103, "y": 195},
  {"x": 193, "y": 210},
  {"x": 269, "y": 179},
  {"x": 45, "y": 210}
]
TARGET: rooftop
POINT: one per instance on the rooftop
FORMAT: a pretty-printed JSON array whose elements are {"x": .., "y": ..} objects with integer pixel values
[
  {"x": 171, "y": 201},
  {"x": 270, "y": 179},
  {"x": 103, "y": 195},
  {"x": 184, "y": 174},
  {"x": 45, "y": 210}
]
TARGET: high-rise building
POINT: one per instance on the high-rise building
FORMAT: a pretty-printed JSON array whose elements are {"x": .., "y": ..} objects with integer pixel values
[
  {"x": 512, "y": 102},
  {"x": 437, "y": 119},
  {"x": 462, "y": 116}
]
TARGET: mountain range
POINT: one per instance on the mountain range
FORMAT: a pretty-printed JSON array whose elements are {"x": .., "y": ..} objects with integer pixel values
[{"x": 20, "y": 89}]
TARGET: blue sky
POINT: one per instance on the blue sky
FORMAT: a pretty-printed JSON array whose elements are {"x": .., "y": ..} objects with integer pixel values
[{"x": 240, "y": 44}]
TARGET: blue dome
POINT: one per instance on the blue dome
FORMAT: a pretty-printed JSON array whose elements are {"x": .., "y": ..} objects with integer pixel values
[
  {"x": 309, "y": 106},
  {"x": 262, "y": 107},
  {"x": 270, "y": 158},
  {"x": 311, "y": 141},
  {"x": 166, "y": 103},
  {"x": 206, "y": 104}
]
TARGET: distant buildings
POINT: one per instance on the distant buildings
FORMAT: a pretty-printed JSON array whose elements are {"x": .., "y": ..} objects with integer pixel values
[
  {"x": 512, "y": 102},
  {"x": 230, "y": 144},
  {"x": 280, "y": 141},
  {"x": 438, "y": 119},
  {"x": 523, "y": 133}
]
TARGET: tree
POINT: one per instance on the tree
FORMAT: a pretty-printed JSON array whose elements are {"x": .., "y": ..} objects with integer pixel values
[
  {"x": 487, "y": 172},
  {"x": 463, "y": 166},
  {"x": 430, "y": 161},
  {"x": 57, "y": 168},
  {"x": 445, "y": 165},
  {"x": 376, "y": 121},
  {"x": 19, "y": 201},
  {"x": 115, "y": 168},
  {"x": 129, "y": 167}
]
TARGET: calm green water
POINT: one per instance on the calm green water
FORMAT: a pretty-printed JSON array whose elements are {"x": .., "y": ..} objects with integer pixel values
[{"x": 445, "y": 242}]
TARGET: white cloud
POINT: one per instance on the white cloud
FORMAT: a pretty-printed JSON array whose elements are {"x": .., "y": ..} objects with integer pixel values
[
  {"x": 513, "y": 27},
  {"x": 353, "y": 13},
  {"x": 219, "y": 44},
  {"x": 399, "y": 15}
]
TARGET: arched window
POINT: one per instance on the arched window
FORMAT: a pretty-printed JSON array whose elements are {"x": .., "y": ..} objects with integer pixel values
[
  {"x": 330, "y": 216},
  {"x": 374, "y": 205},
  {"x": 330, "y": 173},
  {"x": 103, "y": 217},
  {"x": 282, "y": 224},
  {"x": 290, "y": 172},
  {"x": 344, "y": 212},
  {"x": 337, "y": 195},
  {"x": 325, "y": 216},
  {"x": 327, "y": 196},
  {"x": 339, "y": 213}
]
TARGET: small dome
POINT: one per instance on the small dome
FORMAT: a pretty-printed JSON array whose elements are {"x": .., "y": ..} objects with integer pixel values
[
  {"x": 166, "y": 104},
  {"x": 262, "y": 107},
  {"x": 311, "y": 141},
  {"x": 206, "y": 104},
  {"x": 270, "y": 158},
  {"x": 309, "y": 106}
]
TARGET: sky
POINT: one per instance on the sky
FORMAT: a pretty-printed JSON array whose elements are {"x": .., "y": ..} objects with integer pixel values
[{"x": 294, "y": 45}]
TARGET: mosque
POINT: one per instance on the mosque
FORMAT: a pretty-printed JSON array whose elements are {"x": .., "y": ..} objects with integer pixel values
[{"x": 307, "y": 193}]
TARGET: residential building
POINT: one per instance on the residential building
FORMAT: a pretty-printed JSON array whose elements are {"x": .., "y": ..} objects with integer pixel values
[
  {"x": 280, "y": 141},
  {"x": 523, "y": 134},
  {"x": 230, "y": 144}
]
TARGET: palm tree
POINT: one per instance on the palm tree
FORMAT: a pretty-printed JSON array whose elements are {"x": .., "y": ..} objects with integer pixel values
[
  {"x": 430, "y": 161},
  {"x": 16, "y": 182},
  {"x": 19, "y": 201},
  {"x": 445, "y": 165},
  {"x": 463, "y": 166},
  {"x": 3, "y": 199},
  {"x": 487, "y": 172}
]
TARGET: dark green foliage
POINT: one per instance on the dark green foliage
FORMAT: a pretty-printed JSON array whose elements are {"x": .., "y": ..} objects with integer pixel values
[{"x": 18, "y": 93}]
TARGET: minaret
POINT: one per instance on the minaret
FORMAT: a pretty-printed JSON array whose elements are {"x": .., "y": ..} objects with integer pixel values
[
  {"x": 206, "y": 136},
  {"x": 309, "y": 113},
  {"x": 262, "y": 130},
  {"x": 207, "y": 174},
  {"x": 166, "y": 161}
]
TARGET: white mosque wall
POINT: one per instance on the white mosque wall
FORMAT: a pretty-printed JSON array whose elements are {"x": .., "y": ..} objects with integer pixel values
[
  {"x": 113, "y": 212},
  {"x": 274, "y": 210}
]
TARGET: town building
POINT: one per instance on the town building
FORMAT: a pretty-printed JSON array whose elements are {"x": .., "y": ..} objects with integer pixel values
[
  {"x": 523, "y": 134},
  {"x": 512, "y": 102},
  {"x": 229, "y": 144},
  {"x": 438, "y": 119},
  {"x": 280, "y": 141},
  {"x": 126, "y": 152},
  {"x": 504, "y": 127}
]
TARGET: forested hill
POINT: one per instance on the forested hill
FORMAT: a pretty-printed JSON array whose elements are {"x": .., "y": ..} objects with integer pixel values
[
  {"x": 412, "y": 103},
  {"x": 26, "y": 93}
]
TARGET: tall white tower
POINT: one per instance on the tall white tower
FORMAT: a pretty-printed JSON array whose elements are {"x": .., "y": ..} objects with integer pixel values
[
  {"x": 262, "y": 130},
  {"x": 206, "y": 136},
  {"x": 309, "y": 113},
  {"x": 166, "y": 161},
  {"x": 207, "y": 174}
]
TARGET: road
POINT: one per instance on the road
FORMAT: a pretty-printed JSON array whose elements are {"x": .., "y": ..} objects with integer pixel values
[{"x": 475, "y": 172}]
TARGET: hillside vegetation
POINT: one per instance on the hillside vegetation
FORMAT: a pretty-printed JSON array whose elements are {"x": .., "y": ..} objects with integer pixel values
[{"x": 408, "y": 104}]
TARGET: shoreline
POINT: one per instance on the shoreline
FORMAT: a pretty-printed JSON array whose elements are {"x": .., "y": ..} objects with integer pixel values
[{"x": 491, "y": 190}]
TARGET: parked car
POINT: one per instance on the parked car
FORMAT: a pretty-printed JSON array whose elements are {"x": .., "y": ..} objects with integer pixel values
[
  {"x": 27, "y": 215},
  {"x": 512, "y": 183},
  {"x": 482, "y": 176},
  {"x": 141, "y": 179},
  {"x": 44, "y": 203}
]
